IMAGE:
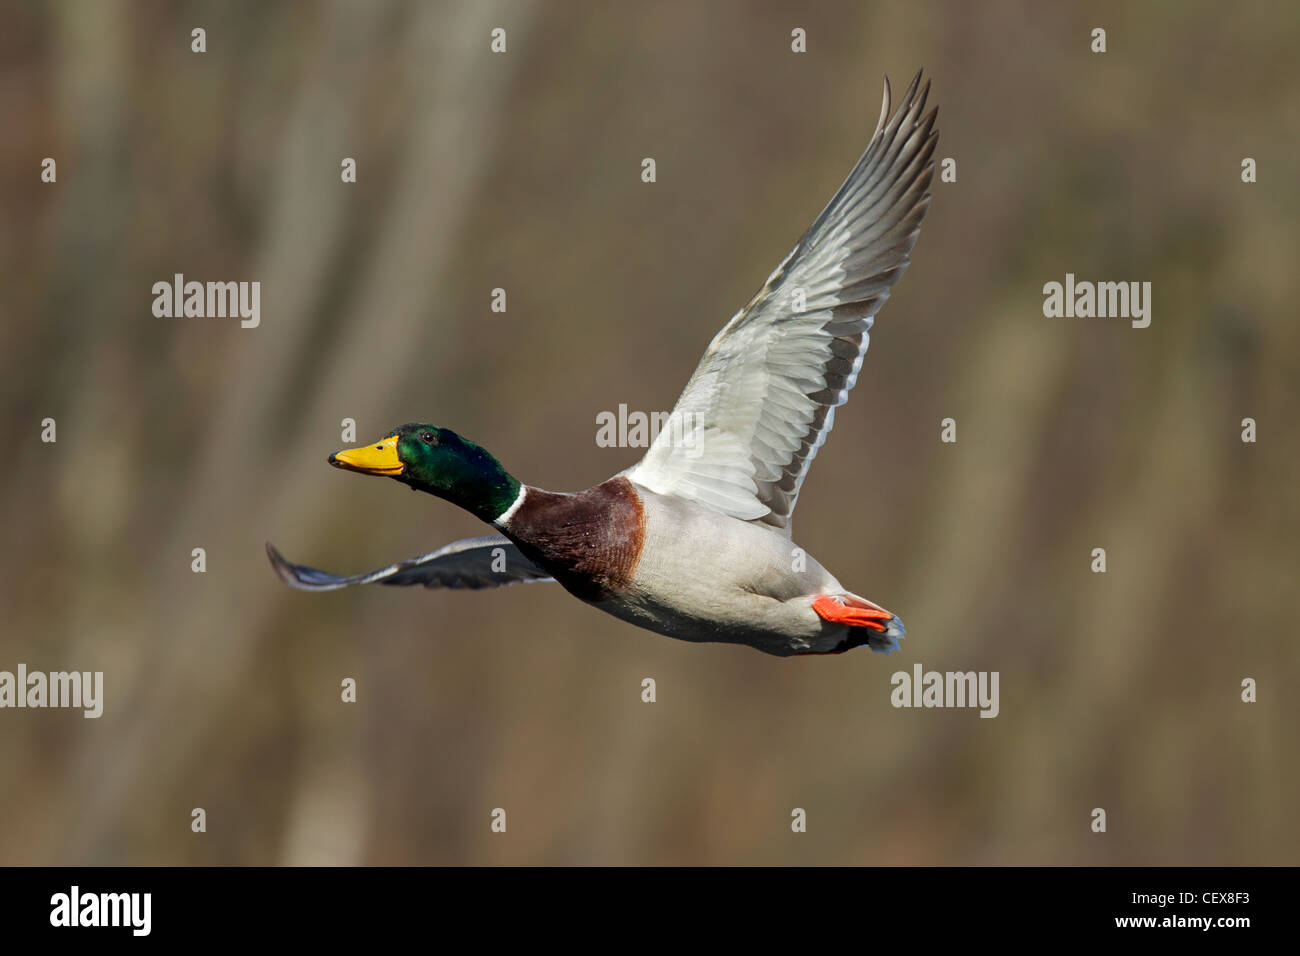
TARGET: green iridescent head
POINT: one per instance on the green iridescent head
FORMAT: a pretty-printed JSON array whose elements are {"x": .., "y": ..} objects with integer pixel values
[{"x": 439, "y": 461}]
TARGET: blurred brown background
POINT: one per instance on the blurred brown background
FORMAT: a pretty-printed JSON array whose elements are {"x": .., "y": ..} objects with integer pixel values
[{"x": 523, "y": 171}]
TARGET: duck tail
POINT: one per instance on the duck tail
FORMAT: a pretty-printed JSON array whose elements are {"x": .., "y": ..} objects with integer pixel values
[{"x": 880, "y": 642}]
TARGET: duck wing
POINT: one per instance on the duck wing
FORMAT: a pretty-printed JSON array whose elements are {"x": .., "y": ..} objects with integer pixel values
[
  {"x": 763, "y": 399},
  {"x": 474, "y": 563}
]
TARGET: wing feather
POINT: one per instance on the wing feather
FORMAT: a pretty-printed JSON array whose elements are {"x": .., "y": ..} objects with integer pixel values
[
  {"x": 469, "y": 563},
  {"x": 763, "y": 398}
]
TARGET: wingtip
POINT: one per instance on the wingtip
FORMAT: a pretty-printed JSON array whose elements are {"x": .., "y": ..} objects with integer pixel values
[
  {"x": 915, "y": 94},
  {"x": 280, "y": 566},
  {"x": 912, "y": 87}
]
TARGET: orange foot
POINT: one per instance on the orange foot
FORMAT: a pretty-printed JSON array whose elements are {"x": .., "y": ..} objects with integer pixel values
[{"x": 833, "y": 610}]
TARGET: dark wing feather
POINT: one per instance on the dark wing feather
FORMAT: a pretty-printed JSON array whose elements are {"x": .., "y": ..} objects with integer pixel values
[{"x": 467, "y": 563}]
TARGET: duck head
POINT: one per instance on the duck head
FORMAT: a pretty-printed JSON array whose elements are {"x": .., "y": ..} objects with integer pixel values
[{"x": 437, "y": 461}]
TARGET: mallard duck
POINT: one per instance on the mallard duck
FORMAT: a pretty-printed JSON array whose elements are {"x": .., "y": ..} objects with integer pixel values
[{"x": 694, "y": 541}]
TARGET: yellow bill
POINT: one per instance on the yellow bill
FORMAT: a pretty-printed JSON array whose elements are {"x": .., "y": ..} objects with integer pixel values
[{"x": 377, "y": 458}]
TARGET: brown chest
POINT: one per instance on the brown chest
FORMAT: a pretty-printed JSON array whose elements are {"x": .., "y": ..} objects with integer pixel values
[{"x": 590, "y": 541}]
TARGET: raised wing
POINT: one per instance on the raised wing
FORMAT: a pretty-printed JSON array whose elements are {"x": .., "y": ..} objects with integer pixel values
[
  {"x": 763, "y": 398},
  {"x": 471, "y": 563}
]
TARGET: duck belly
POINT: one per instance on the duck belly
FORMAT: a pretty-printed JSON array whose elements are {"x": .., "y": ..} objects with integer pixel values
[{"x": 703, "y": 576}]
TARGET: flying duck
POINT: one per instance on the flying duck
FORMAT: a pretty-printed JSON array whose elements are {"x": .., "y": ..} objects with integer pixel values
[{"x": 694, "y": 541}]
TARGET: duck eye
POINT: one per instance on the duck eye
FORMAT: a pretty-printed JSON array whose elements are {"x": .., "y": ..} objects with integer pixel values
[{"x": 428, "y": 438}]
